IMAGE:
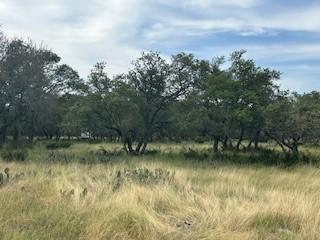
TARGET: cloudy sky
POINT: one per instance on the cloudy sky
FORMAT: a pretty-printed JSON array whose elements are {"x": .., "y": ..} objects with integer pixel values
[{"x": 281, "y": 34}]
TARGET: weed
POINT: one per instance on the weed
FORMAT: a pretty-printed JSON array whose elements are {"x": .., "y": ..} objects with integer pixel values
[
  {"x": 142, "y": 176},
  {"x": 66, "y": 194}
]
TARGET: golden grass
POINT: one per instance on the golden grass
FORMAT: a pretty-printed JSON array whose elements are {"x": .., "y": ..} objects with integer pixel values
[{"x": 204, "y": 202}]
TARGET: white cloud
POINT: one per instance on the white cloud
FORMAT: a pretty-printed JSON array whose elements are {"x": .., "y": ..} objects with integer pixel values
[
  {"x": 293, "y": 55},
  {"x": 209, "y": 4},
  {"x": 307, "y": 19},
  {"x": 213, "y": 3},
  {"x": 246, "y": 24},
  {"x": 82, "y": 35},
  {"x": 84, "y": 32},
  {"x": 285, "y": 52}
]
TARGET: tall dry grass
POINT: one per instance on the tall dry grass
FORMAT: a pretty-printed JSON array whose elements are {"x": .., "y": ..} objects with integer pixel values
[{"x": 204, "y": 201}]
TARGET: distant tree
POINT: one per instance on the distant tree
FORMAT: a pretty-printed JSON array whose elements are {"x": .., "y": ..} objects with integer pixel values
[
  {"x": 232, "y": 102},
  {"x": 157, "y": 84},
  {"x": 25, "y": 80},
  {"x": 64, "y": 80},
  {"x": 208, "y": 105},
  {"x": 254, "y": 88},
  {"x": 99, "y": 82},
  {"x": 293, "y": 120},
  {"x": 217, "y": 103},
  {"x": 3, "y": 91},
  {"x": 309, "y": 108},
  {"x": 183, "y": 120},
  {"x": 178, "y": 99}
]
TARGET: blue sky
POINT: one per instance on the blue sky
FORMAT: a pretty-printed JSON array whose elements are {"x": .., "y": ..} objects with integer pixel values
[{"x": 284, "y": 35}]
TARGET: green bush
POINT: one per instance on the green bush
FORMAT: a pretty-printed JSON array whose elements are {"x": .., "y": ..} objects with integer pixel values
[
  {"x": 200, "y": 139},
  {"x": 192, "y": 154},
  {"x": 152, "y": 152},
  {"x": 11, "y": 154},
  {"x": 58, "y": 144},
  {"x": 266, "y": 157}
]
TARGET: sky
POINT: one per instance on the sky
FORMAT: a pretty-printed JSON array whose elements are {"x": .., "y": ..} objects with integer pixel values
[{"x": 283, "y": 35}]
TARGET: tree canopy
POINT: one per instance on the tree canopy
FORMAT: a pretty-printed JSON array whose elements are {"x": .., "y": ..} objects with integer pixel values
[{"x": 232, "y": 101}]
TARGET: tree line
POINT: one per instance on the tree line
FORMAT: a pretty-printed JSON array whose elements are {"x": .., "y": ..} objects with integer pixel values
[{"x": 231, "y": 101}]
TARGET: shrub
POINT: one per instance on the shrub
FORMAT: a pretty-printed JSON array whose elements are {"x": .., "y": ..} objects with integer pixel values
[
  {"x": 103, "y": 155},
  {"x": 270, "y": 157},
  {"x": 57, "y": 145},
  {"x": 142, "y": 176},
  {"x": 61, "y": 157},
  {"x": 94, "y": 141},
  {"x": 200, "y": 139},
  {"x": 10, "y": 154},
  {"x": 195, "y": 155},
  {"x": 152, "y": 152},
  {"x": 266, "y": 157}
]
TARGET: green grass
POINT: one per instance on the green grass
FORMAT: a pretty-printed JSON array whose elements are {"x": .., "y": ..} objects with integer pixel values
[{"x": 205, "y": 200}]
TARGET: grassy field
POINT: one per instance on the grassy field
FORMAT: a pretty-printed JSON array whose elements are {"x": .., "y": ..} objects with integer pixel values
[{"x": 157, "y": 196}]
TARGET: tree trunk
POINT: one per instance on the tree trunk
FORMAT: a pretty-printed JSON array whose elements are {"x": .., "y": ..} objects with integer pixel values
[
  {"x": 216, "y": 144},
  {"x": 250, "y": 143},
  {"x": 257, "y": 139},
  {"x": 225, "y": 143},
  {"x": 295, "y": 146},
  {"x": 31, "y": 134},
  {"x": 31, "y": 137},
  {"x": 15, "y": 134},
  {"x": 125, "y": 147},
  {"x": 139, "y": 147},
  {"x": 230, "y": 144},
  {"x": 144, "y": 147},
  {"x": 46, "y": 134},
  {"x": 3, "y": 134},
  {"x": 295, "y": 150},
  {"x": 279, "y": 142},
  {"x": 240, "y": 137},
  {"x": 128, "y": 145}
]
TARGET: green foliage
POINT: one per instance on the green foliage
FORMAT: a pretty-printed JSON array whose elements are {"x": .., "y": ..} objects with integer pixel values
[
  {"x": 265, "y": 157},
  {"x": 58, "y": 144},
  {"x": 294, "y": 120},
  {"x": 200, "y": 139},
  {"x": 152, "y": 152},
  {"x": 198, "y": 155},
  {"x": 8, "y": 153}
]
